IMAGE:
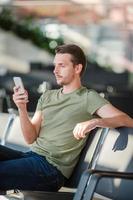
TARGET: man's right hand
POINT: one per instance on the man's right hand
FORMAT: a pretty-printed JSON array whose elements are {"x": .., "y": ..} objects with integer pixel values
[{"x": 19, "y": 99}]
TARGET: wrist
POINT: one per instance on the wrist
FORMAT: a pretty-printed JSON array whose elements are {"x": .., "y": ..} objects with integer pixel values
[
  {"x": 98, "y": 122},
  {"x": 22, "y": 110}
]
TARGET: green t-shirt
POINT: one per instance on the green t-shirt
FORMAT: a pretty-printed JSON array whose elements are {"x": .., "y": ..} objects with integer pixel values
[{"x": 61, "y": 112}]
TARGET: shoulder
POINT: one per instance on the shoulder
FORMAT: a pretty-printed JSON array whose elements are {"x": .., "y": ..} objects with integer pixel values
[
  {"x": 86, "y": 93},
  {"x": 89, "y": 92},
  {"x": 95, "y": 101},
  {"x": 93, "y": 93},
  {"x": 50, "y": 92},
  {"x": 94, "y": 96}
]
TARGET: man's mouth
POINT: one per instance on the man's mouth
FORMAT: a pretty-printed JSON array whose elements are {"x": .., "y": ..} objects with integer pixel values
[{"x": 58, "y": 77}]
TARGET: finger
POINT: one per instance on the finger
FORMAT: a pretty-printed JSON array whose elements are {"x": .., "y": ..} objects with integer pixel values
[
  {"x": 18, "y": 97},
  {"x": 22, "y": 98},
  {"x": 22, "y": 101},
  {"x": 24, "y": 95},
  {"x": 15, "y": 89},
  {"x": 82, "y": 134},
  {"x": 26, "y": 92},
  {"x": 77, "y": 131},
  {"x": 81, "y": 130}
]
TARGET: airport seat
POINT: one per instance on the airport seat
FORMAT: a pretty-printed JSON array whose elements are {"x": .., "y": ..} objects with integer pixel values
[
  {"x": 112, "y": 177},
  {"x": 87, "y": 160},
  {"x": 10, "y": 132},
  {"x": 15, "y": 137},
  {"x": 3, "y": 122}
]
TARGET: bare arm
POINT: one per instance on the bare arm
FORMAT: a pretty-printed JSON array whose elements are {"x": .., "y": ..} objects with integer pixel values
[
  {"x": 30, "y": 128},
  {"x": 112, "y": 117},
  {"x": 109, "y": 117}
]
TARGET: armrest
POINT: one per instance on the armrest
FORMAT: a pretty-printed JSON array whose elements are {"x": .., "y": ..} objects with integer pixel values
[
  {"x": 41, "y": 195},
  {"x": 112, "y": 174},
  {"x": 90, "y": 179}
]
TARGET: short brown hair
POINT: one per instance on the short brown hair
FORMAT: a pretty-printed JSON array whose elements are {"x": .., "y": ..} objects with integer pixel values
[{"x": 78, "y": 56}]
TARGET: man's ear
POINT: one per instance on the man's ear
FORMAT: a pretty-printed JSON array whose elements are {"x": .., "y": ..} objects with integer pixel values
[{"x": 78, "y": 68}]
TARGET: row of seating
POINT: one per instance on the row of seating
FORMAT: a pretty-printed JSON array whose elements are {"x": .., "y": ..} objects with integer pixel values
[{"x": 104, "y": 170}]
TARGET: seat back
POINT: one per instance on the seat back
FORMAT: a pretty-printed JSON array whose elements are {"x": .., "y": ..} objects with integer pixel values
[
  {"x": 3, "y": 122},
  {"x": 11, "y": 133},
  {"x": 85, "y": 158},
  {"x": 116, "y": 155},
  {"x": 15, "y": 137}
]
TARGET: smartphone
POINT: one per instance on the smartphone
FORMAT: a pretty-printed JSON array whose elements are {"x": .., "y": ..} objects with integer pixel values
[{"x": 19, "y": 83}]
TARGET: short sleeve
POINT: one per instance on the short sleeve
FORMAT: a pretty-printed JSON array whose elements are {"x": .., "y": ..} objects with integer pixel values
[
  {"x": 94, "y": 101},
  {"x": 42, "y": 101}
]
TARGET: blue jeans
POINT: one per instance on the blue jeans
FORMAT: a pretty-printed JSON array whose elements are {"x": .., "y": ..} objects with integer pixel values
[{"x": 27, "y": 171}]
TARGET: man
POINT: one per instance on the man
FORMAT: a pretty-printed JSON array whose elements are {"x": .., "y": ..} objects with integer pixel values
[{"x": 58, "y": 129}]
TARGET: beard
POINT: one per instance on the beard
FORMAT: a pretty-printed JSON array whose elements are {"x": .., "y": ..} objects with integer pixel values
[{"x": 64, "y": 79}]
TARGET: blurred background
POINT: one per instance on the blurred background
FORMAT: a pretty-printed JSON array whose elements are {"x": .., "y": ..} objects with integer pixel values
[{"x": 31, "y": 29}]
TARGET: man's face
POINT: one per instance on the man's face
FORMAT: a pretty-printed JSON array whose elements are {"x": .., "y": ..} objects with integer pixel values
[{"x": 64, "y": 69}]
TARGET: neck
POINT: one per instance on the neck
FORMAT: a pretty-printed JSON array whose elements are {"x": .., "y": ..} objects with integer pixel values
[{"x": 71, "y": 87}]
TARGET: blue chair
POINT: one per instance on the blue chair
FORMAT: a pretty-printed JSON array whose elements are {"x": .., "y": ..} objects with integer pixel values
[
  {"x": 87, "y": 160},
  {"x": 112, "y": 176}
]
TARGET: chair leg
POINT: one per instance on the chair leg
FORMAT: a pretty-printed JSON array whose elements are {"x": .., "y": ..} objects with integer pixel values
[
  {"x": 91, "y": 186},
  {"x": 81, "y": 187}
]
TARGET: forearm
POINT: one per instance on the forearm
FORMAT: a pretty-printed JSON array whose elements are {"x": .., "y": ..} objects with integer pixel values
[
  {"x": 83, "y": 128},
  {"x": 28, "y": 129},
  {"x": 117, "y": 121}
]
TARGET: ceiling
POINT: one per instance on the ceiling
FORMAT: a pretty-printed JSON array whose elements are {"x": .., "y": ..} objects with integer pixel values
[{"x": 76, "y": 11}]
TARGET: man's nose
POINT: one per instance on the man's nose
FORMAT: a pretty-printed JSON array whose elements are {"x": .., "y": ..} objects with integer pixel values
[{"x": 56, "y": 69}]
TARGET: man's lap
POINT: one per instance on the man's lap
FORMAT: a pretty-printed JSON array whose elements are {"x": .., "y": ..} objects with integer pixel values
[{"x": 27, "y": 171}]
